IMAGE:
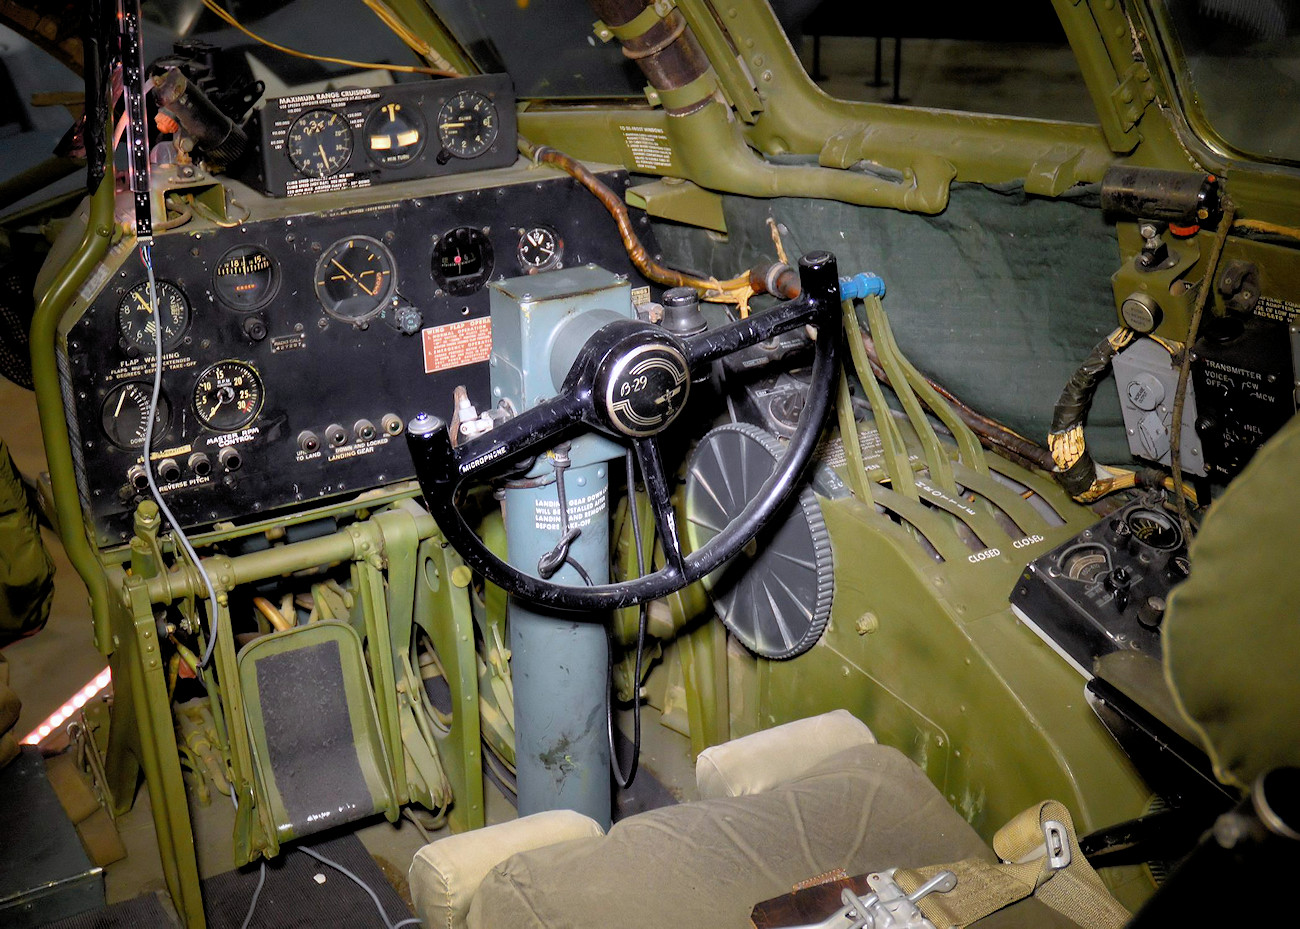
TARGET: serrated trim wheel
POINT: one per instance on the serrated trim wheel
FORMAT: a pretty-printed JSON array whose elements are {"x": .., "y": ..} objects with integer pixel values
[{"x": 775, "y": 596}]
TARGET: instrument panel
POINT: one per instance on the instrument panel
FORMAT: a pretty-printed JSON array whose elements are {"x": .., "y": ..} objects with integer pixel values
[
  {"x": 297, "y": 345},
  {"x": 359, "y": 136}
]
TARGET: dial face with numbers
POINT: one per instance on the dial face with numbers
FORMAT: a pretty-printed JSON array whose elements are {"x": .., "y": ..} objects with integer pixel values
[
  {"x": 135, "y": 316},
  {"x": 467, "y": 124},
  {"x": 228, "y": 396},
  {"x": 246, "y": 277},
  {"x": 319, "y": 143},
  {"x": 540, "y": 249}
]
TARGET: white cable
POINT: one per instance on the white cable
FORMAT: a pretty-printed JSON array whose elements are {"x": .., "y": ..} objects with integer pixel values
[
  {"x": 146, "y": 255},
  {"x": 363, "y": 885}
]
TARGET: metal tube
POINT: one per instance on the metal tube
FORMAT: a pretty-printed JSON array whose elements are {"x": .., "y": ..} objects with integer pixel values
[
  {"x": 49, "y": 401},
  {"x": 228, "y": 573},
  {"x": 559, "y": 663}
]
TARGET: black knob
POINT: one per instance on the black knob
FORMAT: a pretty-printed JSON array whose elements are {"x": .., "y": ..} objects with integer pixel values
[
  {"x": 169, "y": 470},
  {"x": 200, "y": 464},
  {"x": 1118, "y": 582},
  {"x": 682, "y": 314},
  {"x": 1151, "y": 611},
  {"x": 230, "y": 459}
]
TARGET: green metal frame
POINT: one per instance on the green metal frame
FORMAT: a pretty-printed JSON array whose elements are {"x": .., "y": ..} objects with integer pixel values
[{"x": 405, "y": 575}]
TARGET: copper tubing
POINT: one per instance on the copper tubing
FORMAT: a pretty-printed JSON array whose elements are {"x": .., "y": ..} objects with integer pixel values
[
  {"x": 648, "y": 267},
  {"x": 273, "y": 616}
]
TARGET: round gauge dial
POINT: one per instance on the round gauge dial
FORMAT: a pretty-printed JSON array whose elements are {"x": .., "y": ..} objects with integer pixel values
[
  {"x": 467, "y": 124},
  {"x": 1087, "y": 563},
  {"x": 135, "y": 316},
  {"x": 462, "y": 261},
  {"x": 228, "y": 396},
  {"x": 246, "y": 277},
  {"x": 540, "y": 249},
  {"x": 394, "y": 135},
  {"x": 125, "y": 414},
  {"x": 1154, "y": 528},
  {"x": 319, "y": 143},
  {"x": 355, "y": 278}
]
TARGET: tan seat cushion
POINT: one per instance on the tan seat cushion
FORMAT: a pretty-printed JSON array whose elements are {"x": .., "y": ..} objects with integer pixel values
[
  {"x": 445, "y": 874},
  {"x": 707, "y": 863},
  {"x": 776, "y": 756}
]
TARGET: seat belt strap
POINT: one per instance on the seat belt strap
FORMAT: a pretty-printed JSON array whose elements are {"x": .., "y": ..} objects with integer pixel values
[{"x": 1040, "y": 857}]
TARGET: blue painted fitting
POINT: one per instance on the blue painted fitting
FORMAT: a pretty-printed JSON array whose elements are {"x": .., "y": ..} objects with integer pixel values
[{"x": 863, "y": 284}]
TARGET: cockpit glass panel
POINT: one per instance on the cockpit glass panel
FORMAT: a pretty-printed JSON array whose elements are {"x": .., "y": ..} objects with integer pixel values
[
  {"x": 1236, "y": 67},
  {"x": 549, "y": 49}
]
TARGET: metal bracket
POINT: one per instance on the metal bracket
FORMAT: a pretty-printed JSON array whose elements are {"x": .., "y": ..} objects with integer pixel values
[
  {"x": 1132, "y": 94},
  {"x": 888, "y": 907}
]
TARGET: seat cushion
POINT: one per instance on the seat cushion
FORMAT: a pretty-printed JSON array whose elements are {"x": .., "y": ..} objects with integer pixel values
[
  {"x": 445, "y": 874},
  {"x": 771, "y": 757},
  {"x": 707, "y": 863}
]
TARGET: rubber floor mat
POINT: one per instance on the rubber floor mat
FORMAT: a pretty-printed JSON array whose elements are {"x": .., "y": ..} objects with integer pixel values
[{"x": 294, "y": 896}]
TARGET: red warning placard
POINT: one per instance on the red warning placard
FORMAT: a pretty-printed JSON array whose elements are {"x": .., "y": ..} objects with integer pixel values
[{"x": 457, "y": 344}]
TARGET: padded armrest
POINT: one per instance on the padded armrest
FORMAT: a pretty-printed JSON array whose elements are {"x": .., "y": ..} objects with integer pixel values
[
  {"x": 446, "y": 874},
  {"x": 776, "y": 756}
]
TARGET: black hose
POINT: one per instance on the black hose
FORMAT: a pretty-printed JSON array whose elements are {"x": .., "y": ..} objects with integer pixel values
[{"x": 1074, "y": 468}]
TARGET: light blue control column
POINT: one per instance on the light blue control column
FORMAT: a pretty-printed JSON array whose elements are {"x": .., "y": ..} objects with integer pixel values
[{"x": 558, "y": 660}]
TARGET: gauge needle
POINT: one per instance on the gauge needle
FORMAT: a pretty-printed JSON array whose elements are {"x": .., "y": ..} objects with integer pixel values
[
  {"x": 144, "y": 303},
  {"x": 120, "y": 400},
  {"x": 335, "y": 262},
  {"x": 451, "y": 125}
]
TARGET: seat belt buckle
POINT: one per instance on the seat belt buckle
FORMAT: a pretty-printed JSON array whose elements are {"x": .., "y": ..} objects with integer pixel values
[
  {"x": 887, "y": 907},
  {"x": 1055, "y": 847},
  {"x": 1056, "y": 841}
]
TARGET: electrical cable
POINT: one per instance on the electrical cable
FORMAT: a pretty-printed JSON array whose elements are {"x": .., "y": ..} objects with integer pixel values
[
  {"x": 1185, "y": 369},
  {"x": 252, "y": 904},
  {"x": 230, "y": 20},
  {"x": 625, "y": 780},
  {"x": 146, "y": 256},
  {"x": 363, "y": 885}
]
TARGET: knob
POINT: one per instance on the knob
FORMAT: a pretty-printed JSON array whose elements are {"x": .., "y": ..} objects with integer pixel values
[
  {"x": 200, "y": 464},
  {"x": 230, "y": 459},
  {"x": 1151, "y": 611},
  {"x": 1118, "y": 582},
  {"x": 425, "y": 425},
  {"x": 169, "y": 470},
  {"x": 408, "y": 320},
  {"x": 682, "y": 314}
]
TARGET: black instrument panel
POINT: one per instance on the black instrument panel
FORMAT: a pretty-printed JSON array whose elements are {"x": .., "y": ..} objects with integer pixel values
[
  {"x": 297, "y": 347},
  {"x": 360, "y": 136}
]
